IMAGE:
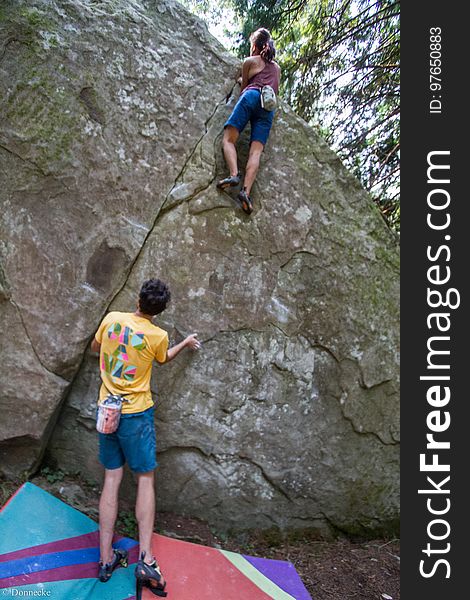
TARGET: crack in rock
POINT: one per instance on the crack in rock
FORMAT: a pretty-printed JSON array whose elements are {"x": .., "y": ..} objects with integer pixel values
[
  {"x": 265, "y": 475},
  {"x": 13, "y": 303},
  {"x": 25, "y": 160}
]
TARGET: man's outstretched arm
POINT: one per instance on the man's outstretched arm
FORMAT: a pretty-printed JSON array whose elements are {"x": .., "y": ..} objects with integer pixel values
[{"x": 190, "y": 342}]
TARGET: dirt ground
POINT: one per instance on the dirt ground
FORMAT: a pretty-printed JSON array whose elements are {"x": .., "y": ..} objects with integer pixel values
[{"x": 342, "y": 569}]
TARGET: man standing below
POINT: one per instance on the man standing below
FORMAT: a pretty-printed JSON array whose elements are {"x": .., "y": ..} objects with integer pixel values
[{"x": 128, "y": 343}]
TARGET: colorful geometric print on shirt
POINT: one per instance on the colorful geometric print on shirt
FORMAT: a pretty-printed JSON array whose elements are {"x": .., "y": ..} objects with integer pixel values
[
  {"x": 129, "y": 345},
  {"x": 117, "y": 364}
]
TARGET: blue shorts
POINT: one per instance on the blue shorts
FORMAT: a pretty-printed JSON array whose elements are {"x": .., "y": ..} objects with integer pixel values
[
  {"x": 134, "y": 442},
  {"x": 248, "y": 108}
]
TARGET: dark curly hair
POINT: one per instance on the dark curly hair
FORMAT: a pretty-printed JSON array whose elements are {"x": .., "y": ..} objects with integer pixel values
[
  {"x": 261, "y": 38},
  {"x": 153, "y": 297}
]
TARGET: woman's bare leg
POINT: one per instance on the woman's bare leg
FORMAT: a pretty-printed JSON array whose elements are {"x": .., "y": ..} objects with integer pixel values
[
  {"x": 230, "y": 138},
  {"x": 252, "y": 166}
]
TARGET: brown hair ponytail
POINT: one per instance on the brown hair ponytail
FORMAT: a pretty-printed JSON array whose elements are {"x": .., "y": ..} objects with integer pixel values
[{"x": 262, "y": 41}]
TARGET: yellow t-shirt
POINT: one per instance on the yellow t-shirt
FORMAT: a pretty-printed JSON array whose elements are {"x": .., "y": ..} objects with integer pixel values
[{"x": 129, "y": 344}]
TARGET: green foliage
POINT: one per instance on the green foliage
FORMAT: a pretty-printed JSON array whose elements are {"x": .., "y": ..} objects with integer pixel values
[
  {"x": 52, "y": 475},
  {"x": 127, "y": 524},
  {"x": 340, "y": 62},
  {"x": 215, "y": 12}
]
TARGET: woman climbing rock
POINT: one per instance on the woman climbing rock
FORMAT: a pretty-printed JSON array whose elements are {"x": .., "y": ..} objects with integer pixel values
[{"x": 260, "y": 78}]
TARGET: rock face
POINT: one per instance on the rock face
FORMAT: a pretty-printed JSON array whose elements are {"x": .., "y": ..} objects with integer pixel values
[{"x": 110, "y": 131}]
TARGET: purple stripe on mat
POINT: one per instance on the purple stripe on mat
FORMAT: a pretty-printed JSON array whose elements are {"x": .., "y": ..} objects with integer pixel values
[
  {"x": 133, "y": 555},
  {"x": 81, "y": 571},
  {"x": 87, "y": 540},
  {"x": 282, "y": 573}
]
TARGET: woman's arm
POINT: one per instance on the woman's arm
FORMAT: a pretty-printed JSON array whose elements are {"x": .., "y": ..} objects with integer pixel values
[{"x": 246, "y": 72}]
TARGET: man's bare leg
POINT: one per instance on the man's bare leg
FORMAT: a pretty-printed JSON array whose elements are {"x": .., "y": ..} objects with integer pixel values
[
  {"x": 108, "y": 511},
  {"x": 230, "y": 138},
  {"x": 252, "y": 166},
  {"x": 145, "y": 512}
]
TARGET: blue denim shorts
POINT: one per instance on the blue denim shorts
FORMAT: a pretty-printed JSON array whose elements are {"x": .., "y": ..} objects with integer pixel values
[
  {"x": 248, "y": 108},
  {"x": 134, "y": 442}
]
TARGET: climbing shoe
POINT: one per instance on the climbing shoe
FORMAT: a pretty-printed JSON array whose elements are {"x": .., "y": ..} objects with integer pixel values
[
  {"x": 149, "y": 576},
  {"x": 106, "y": 570},
  {"x": 231, "y": 181},
  {"x": 245, "y": 201}
]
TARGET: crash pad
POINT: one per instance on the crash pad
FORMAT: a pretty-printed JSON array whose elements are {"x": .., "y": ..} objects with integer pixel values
[{"x": 50, "y": 549}]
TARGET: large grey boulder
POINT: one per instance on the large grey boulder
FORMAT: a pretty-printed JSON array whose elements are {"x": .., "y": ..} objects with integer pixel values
[
  {"x": 100, "y": 109},
  {"x": 288, "y": 415}
]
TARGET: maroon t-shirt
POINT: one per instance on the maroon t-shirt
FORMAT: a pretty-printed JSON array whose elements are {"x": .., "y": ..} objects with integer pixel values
[{"x": 268, "y": 76}]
